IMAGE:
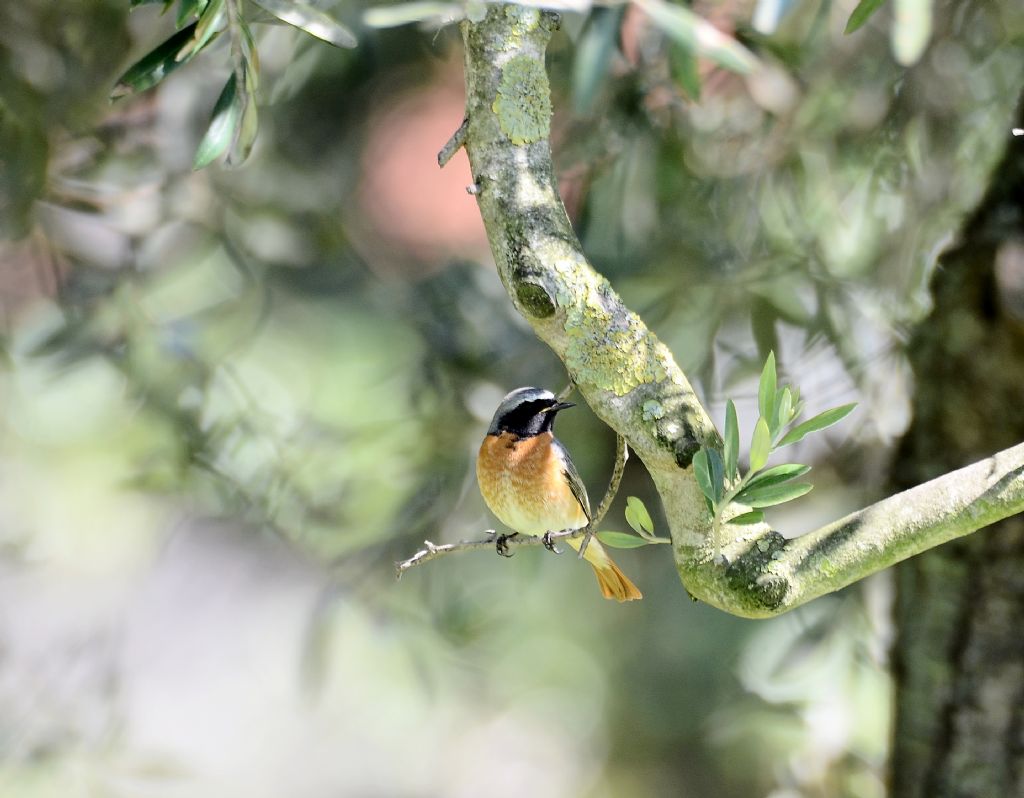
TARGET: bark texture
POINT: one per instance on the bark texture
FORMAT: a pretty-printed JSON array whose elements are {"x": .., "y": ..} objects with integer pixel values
[{"x": 959, "y": 654}]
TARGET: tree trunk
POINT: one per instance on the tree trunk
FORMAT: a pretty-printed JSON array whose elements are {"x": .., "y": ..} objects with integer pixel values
[{"x": 958, "y": 659}]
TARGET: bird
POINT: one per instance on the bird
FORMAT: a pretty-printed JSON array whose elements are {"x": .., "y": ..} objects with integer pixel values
[{"x": 529, "y": 482}]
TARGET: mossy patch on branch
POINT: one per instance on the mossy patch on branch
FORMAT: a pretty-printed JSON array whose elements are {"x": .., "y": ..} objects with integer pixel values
[
  {"x": 613, "y": 352},
  {"x": 523, "y": 104},
  {"x": 523, "y": 18}
]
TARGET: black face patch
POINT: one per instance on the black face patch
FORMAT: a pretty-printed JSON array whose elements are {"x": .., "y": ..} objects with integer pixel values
[{"x": 528, "y": 418}]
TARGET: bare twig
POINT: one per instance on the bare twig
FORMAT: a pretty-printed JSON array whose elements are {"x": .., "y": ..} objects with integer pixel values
[
  {"x": 566, "y": 392},
  {"x": 431, "y": 551},
  {"x": 454, "y": 144},
  {"x": 621, "y": 455}
]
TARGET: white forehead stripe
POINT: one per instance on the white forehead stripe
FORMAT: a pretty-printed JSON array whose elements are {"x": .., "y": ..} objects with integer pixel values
[{"x": 520, "y": 395}]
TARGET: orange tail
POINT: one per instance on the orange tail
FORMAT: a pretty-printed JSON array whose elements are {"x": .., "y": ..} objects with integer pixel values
[{"x": 613, "y": 583}]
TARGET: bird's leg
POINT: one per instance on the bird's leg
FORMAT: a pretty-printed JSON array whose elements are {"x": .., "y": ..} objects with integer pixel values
[
  {"x": 549, "y": 544},
  {"x": 501, "y": 544}
]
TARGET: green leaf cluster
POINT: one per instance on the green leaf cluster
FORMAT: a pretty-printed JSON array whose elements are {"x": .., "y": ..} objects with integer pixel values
[
  {"x": 718, "y": 473},
  {"x": 234, "y": 122},
  {"x": 640, "y": 520}
]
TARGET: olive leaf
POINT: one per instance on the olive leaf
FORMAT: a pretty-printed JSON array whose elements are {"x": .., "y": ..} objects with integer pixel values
[{"x": 717, "y": 471}]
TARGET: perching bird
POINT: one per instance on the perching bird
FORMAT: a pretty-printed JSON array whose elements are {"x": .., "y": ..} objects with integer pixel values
[{"x": 531, "y": 485}]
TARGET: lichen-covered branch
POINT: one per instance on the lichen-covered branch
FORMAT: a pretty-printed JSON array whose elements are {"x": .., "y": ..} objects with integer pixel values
[
  {"x": 630, "y": 379},
  {"x": 627, "y": 376},
  {"x": 768, "y": 574}
]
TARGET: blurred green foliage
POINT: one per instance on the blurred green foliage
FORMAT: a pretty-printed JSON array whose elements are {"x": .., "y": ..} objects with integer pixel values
[{"x": 256, "y": 346}]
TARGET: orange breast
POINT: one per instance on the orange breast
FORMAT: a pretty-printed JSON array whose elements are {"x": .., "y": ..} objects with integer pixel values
[{"x": 523, "y": 483}]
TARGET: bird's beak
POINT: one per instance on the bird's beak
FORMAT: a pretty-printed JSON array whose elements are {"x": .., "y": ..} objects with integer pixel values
[{"x": 558, "y": 406}]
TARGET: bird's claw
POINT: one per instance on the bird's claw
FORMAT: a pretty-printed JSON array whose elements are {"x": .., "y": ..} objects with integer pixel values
[
  {"x": 549, "y": 544},
  {"x": 501, "y": 544}
]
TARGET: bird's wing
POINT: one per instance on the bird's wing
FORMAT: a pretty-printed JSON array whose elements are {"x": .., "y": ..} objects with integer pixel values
[{"x": 572, "y": 476}]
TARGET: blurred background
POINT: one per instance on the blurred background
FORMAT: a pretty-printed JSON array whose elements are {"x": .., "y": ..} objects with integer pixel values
[{"x": 233, "y": 398}]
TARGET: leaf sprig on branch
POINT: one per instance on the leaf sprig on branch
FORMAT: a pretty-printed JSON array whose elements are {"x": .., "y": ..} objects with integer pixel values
[
  {"x": 718, "y": 473},
  {"x": 640, "y": 520}
]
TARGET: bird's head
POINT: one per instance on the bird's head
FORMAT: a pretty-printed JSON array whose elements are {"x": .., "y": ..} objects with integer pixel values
[{"x": 525, "y": 412}]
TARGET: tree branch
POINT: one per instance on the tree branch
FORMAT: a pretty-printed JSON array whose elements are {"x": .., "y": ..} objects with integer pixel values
[
  {"x": 769, "y": 574},
  {"x": 630, "y": 379}
]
